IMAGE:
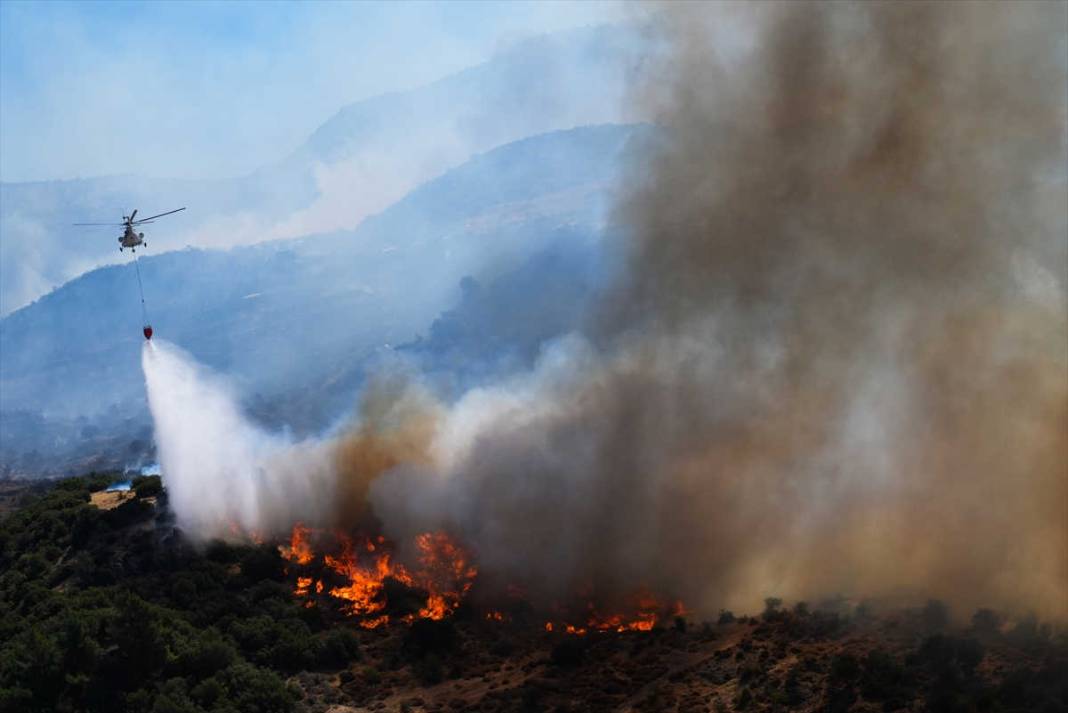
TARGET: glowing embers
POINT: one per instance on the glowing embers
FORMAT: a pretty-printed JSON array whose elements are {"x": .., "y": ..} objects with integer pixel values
[
  {"x": 587, "y": 613},
  {"x": 361, "y": 572},
  {"x": 642, "y": 613}
]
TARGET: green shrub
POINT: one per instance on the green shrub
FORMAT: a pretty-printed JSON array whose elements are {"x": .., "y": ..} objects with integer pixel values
[
  {"x": 338, "y": 647},
  {"x": 255, "y": 690},
  {"x": 263, "y": 562},
  {"x": 147, "y": 486},
  {"x": 205, "y": 655}
]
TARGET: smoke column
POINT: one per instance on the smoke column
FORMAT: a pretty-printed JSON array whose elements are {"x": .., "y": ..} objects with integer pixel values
[{"x": 835, "y": 362}]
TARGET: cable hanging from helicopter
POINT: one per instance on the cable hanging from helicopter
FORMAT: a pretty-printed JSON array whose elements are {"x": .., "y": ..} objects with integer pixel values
[{"x": 131, "y": 239}]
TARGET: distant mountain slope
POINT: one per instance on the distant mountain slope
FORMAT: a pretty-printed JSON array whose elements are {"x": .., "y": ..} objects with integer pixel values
[
  {"x": 370, "y": 154},
  {"x": 278, "y": 315}
]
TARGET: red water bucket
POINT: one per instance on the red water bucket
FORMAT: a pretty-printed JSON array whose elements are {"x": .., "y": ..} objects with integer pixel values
[{"x": 148, "y": 331}]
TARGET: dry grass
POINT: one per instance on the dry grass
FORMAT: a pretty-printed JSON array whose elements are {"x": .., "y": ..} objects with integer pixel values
[{"x": 109, "y": 500}]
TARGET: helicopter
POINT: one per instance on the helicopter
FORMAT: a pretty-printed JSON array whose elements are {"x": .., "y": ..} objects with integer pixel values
[{"x": 130, "y": 237}]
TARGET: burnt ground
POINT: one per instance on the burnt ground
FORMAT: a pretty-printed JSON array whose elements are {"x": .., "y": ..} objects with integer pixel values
[{"x": 781, "y": 661}]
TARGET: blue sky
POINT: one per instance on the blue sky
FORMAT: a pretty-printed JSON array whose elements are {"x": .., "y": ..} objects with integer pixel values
[{"x": 214, "y": 89}]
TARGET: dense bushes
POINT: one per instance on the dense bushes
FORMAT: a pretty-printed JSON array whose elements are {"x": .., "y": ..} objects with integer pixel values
[
  {"x": 147, "y": 486},
  {"x": 96, "y": 615}
]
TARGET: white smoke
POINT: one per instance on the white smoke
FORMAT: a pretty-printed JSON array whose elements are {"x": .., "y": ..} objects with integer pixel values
[{"x": 227, "y": 477}]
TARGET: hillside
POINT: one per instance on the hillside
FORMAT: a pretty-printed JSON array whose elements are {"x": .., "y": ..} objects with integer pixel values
[
  {"x": 115, "y": 610},
  {"x": 279, "y": 316}
]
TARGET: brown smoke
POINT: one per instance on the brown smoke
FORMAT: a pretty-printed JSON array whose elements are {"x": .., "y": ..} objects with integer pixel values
[
  {"x": 837, "y": 360},
  {"x": 397, "y": 427}
]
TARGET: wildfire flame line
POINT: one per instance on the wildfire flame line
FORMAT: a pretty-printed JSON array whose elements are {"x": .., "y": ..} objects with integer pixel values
[
  {"x": 445, "y": 572},
  {"x": 443, "y": 569}
]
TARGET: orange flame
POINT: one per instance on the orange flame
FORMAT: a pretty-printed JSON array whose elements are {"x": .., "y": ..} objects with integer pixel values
[
  {"x": 645, "y": 615},
  {"x": 444, "y": 571},
  {"x": 303, "y": 585},
  {"x": 299, "y": 549},
  {"x": 364, "y": 590}
]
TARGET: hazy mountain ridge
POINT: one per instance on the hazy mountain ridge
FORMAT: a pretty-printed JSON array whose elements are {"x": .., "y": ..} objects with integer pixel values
[
  {"x": 279, "y": 316},
  {"x": 366, "y": 157}
]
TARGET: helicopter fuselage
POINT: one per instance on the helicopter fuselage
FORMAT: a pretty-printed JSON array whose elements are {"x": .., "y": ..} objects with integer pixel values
[{"x": 131, "y": 239}]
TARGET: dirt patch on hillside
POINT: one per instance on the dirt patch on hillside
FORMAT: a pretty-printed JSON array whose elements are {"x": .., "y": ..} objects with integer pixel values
[{"x": 111, "y": 499}]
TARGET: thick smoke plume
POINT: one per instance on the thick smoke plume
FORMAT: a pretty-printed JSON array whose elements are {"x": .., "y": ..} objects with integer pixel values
[{"x": 835, "y": 360}]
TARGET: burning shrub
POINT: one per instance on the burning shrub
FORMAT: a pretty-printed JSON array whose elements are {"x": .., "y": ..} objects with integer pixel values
[{"x": 369, "y": 583}]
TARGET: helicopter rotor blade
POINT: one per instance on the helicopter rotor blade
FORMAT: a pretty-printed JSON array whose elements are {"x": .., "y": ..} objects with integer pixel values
[
  {"x": 159, "y": 215},
  {"x": 133, "y": 215},
  {"x": 113, "y": 224}
]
